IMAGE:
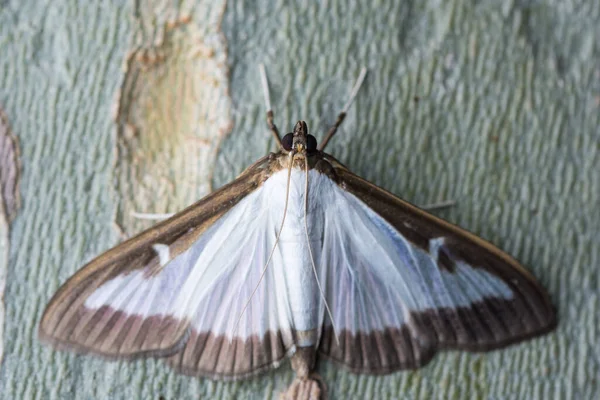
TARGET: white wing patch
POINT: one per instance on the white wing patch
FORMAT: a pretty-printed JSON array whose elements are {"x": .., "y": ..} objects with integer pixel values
[
  {"x": 146, "y": 294},
  {"x": 375, "y": 277},
  {"x": 207, "y": 282},
  {"x": 210, "y": 282}
]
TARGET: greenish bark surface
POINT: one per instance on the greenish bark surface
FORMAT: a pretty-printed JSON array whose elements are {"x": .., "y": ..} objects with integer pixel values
[{"x": 495, "y": 105}]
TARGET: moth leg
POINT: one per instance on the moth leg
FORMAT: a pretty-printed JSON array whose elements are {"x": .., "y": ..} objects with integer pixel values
[
  {"x": 438, "y": 206},
  {"x": 270, "y": 123},
  {"x": 151, "y": 216},
  {"x": 341, "y": 116}
]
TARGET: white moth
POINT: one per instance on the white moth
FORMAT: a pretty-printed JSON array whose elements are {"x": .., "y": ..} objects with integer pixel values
[{"x": 297, "y": 257}]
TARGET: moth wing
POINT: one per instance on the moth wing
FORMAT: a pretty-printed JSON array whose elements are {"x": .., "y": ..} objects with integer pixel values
[
  {"x": 284, "y": 310},
  {"x": 243, "y": 325},
  {"x": 145, "y": 297},
  {"x": 402, "y": 284}
]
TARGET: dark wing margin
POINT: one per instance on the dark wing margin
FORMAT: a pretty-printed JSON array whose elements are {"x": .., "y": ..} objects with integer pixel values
[
  {"x": 68, "y": 324},
  {"x": 484, "y": 325}
]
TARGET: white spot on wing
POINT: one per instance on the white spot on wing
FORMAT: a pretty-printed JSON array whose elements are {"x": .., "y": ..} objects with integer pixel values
[
  {"x": 434, "y": 244},
  {"x": 163, "y": 253}
]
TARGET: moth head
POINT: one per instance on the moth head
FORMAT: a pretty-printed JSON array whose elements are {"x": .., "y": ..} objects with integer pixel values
[{"x": 299, "y": 140}]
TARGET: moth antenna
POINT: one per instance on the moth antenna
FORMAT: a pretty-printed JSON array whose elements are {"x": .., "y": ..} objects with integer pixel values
[
  {"x": 265, "y": 86},
  {"x": 355, "y": 89},
  {"x": 262, "y": 275},
  {"x": 151, "y": 216},
  {"x": 312, "y": 260},
  {"x": 341, "y": 116},
  {"x": 437, "y": 206}
]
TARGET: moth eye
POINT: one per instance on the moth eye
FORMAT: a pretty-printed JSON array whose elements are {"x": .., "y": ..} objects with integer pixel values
[
  {"x": 287, "y": 141},
  {"x": 311, "y": 143}
]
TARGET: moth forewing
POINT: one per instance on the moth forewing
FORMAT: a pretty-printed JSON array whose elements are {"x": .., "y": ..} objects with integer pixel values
[
  {"x": 453, "y": 290},
  {"x": 106, "y": 307}
]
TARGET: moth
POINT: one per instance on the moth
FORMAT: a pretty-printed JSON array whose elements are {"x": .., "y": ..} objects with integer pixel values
[{"x": 297, "y": 258}]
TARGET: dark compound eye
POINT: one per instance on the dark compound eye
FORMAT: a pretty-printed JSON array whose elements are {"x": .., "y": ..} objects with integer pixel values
[
  {"x": 287, "y": 141},
  {"x": 311, "y": 143}
]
